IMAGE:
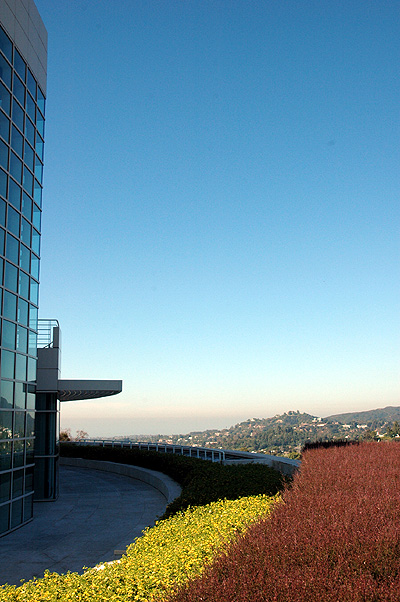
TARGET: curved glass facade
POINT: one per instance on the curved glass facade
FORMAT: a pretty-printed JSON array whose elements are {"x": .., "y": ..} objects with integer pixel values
[{"x": 22, "y": 108}]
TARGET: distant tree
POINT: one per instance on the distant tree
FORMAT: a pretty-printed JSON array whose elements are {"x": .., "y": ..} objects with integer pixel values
[
  {"x": 369, "y": 435},
  {"x": 80, "y": 435},
  {"x": 65, "y": 435}
]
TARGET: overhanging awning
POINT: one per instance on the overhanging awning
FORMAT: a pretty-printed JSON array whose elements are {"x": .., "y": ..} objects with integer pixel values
[{"x": 75, "y": 390}]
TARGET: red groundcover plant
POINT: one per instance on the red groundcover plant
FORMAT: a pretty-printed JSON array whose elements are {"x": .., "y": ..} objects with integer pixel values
[{"x": 334, "y": 538}]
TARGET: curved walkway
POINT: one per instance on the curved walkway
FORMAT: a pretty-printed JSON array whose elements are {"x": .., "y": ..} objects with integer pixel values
[{"x": 97, "y": 513}]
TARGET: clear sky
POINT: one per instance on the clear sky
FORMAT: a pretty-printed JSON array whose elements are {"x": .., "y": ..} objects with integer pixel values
[{"x": 221, "y": 207}]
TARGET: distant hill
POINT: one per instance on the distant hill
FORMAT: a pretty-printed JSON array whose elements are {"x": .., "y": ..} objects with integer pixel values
[
  {"x": 381, "y": 415},
  {"x": 285, "y": 434}
]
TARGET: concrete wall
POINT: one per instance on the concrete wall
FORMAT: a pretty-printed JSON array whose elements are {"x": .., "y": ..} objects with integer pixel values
[{"x": 167, "y": 486}]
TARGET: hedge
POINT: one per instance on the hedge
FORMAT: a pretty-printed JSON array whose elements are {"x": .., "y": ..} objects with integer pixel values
[{"x": 336, "y": 536}]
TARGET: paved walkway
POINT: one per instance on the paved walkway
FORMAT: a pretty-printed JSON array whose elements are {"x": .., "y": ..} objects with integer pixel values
[{"x": 97, "y": 512}]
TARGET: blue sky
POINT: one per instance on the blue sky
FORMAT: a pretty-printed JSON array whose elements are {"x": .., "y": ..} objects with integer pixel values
[{"x": 221, "y": 215}]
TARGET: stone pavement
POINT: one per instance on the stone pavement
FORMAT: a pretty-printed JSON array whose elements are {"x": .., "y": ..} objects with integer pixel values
[{"x": 97, "y": 513}]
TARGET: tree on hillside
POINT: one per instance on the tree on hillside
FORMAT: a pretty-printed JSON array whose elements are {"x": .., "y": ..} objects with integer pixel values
[{"x": 394, "y": 430}]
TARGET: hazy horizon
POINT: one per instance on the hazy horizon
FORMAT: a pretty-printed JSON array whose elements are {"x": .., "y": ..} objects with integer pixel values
[{"x": 201, "y": 424}]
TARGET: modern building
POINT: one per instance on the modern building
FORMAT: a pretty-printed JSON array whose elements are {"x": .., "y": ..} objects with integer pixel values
[{"x": 28, "y": 446}]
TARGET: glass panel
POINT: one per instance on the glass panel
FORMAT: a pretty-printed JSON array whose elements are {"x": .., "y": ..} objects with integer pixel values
[
  {"x": 5, "y": 486},
  {"x": 8, "y": 336},
  {"x": 19, "y": 424},
  {"x": 30, "y": 424},
  {"x": 33, "y": 322},
  {"x": 16, "y": 513},
  {"x": 4, "y": 512},
  {"x": 34, "y": 296},
  {"x": 5, "y": 99},
  {"x": 40, "y": 125},
  {"x": 27, "y": 206},
  {"x": 28, "y": 181},
  {"x": 3, "y": 154},
  {"x": 31, "y": 84},
  {"x": 35, "y": 242},
  {"x": 39, "y": 148},
  {"x": 30, "y": 107},
  {"x": 4, "y": 127},
  {"x": 35, "y": 266},
  {"x": 19, "y": 64},
  {"x": 5, "y": 455},
  {"x": 7, "y": 364},
  {"x": 20, "y": 394},
  {"x": 22, "y": 339},
  {"x": 6, "y": 425},
  {"x": 39, "y": 171},
  {"x": 19, "y": 450},
  {"x": 19, "y": 90},
  {"x": 10, "y": 306},
  {"x": 18, "y": 116},
  {"x": 12, "y": 248},
  {"x": 18, "y": 482},
  {"x": 28, "y": 479},
  {"x": 20, "y": 367},
  {"x": 3, "y": 184},
  {"x": 31, "y": 369},
  {"x": 28, "y": 156},
  {"x": 5, "y": 45},
  {"x": 23, "y": 312},
  {"x": 30, "y": 132},
  {"x": 7, "y": 390},
  {"x": 1, "y": 260},
  {"x": 40, "y": 100},
  {"x": 16, "y": 141},
  {"x": 14, "y": 194},
  {"x": 24, "y": 285},
  {"x": 13, "y": 221},
  {"x": 37, "y": 194},
  {"x": 26, "y": 230},
  {"x": 24, "y": 260},
  {"x": 37, "y": 215},
  {"x": 11, "y": 277},
  {"x": 32, "y": 345},
  {"x": 5, "y": 72},
  {"x": 3, "y": 212},
  {"x": 15, "y": 167}
]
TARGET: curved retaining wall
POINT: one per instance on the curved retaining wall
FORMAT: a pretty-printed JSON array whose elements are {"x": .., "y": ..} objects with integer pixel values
[{"x": 167, "y": 486}]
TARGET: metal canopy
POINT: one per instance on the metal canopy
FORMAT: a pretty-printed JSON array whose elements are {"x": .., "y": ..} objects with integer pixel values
[{"x": 75, "y": 390}]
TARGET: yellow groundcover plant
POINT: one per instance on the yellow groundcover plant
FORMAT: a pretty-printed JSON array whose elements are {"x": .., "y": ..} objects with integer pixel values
[{"x": 166, "y": 556}]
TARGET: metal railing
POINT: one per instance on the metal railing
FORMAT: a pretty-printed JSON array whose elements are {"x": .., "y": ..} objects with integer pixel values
[
  {"x": 204, "y": 453},
  {"x": 45, "y": 332},
  {"x": 227, "y": 456}
]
